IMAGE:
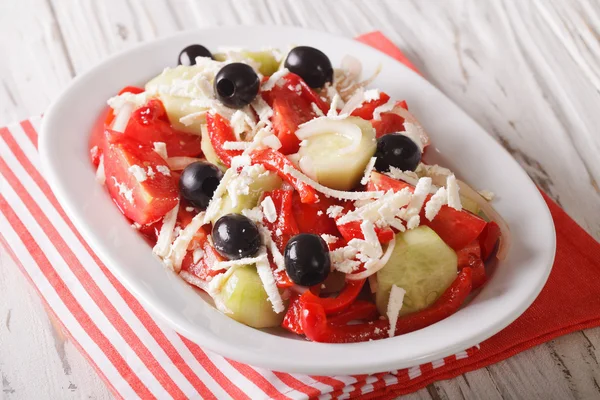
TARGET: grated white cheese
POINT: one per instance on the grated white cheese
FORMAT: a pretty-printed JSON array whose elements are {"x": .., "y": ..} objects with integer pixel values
[
  {"x": 486, "y": 194},
  {"x": 453, "y": 195},
  {"x": 335, "y": 211},
  {"x": 319, "y": 213},
  {"x": 253, "y": 214},
  {"x": 274, "y": 79},
  {"x": 272, "y": 141},
  {"x": 406, "y": 176},
  {"x": 100, "y": 175},
  {"x": 179, "y": 247},
  {"x": 368, "y": 170},
  {"x": 219, "y": 265},
  {"x": 124, "y": 190},
  {"x": 417, "y": 199},
  {"x": 150, "y": 173},
  {"x": 189, "y": 119},
  {"x": 163, "y": 169},
  {"x": 215, "y": 202},
  {"x": 161, "y": 149},
  {"x": 138, "y": 172},
  {"x": 372, "y": 95},
  {"x": 394, "y": 307},
  {"x": 435, "y": 203},
  {"x": 242, "y": 121},
  {"x": 267, "y": 239},
  {"x": 262, "y": 109},
  {"x": 353, "y": 102},
  {"x": 414, "y": 133},
  {"x": 165, "y": 236},
  {"x": 328, "y": 191},
  {"x": 197, "y": 255},
  {"x": 342, "y": 259},
  {"x": 236, "y": 145},
  {"x": 329, "y": 239},
  {"x": 269, "y": 210},
  {"x": 268, "y": 280},
  {"x": 380, "y": 211}
]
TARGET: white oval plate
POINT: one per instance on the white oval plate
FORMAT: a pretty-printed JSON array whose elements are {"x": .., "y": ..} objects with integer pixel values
[{"x": 458, "y": 143}]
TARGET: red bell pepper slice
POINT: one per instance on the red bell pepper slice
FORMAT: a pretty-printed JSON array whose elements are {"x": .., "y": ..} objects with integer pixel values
[
  {"x": 351, "y": 230},
  {"x": 291, "y": 320},
  {"x": 276, "y": 162},
  {"x": 488, "y": 239},
  {"x": 470, "y": 256},
  {"x": 365, "y": 111},
  {"x": 292, "y": 81},
  {"x": 317, "y": 328},
  {"x": 313, "y": 218},
  {"x": 332, "y": 305},
  {"x": 219, "y": 132},
  {"x": 285, "y": 225},
  {"x": 360, "y": 310}
]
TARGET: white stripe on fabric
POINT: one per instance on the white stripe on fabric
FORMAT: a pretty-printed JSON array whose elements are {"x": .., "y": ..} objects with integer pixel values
[
  {"x": 461, "y": 354},
  {"x": 438, "y": 363},
  {"x": 80, "y": 294},
  {"x": 307, "y": 380},
  {"x": 97, "y": 275},
  {"x": 414, "y": 372},
  {"x": 95, "y": 353},
  {"x": 18, "y": 133},
  {"x": 368, "y": 386}
]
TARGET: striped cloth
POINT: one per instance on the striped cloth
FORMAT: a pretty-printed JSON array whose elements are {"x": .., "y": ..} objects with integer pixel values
[{"x": 140, "y": 357}]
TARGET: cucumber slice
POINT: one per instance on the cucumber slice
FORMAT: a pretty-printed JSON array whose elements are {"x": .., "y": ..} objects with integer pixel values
[
  {"x": 335, "y": 170},
  {"x": 469, "y": 205},
  {"x": 261, "y": 184},
  {"x": 268, "y": 63},
  {"x": 246, "y": 301},
  {"x": 176, "y": 106},
  {"x": 209, "y": 151},
  {"x": 422, "y": 264}
]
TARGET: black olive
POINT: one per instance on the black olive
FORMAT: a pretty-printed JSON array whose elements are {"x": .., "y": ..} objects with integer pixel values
[
  {"x": 307, "y": 260},
  {"x": 189, "y": 54},
  {"x": 236, "y": 85},
  {"x": 235, "y": 236},
  {"x": 198, "y": 182},
  {"x": 311, "y": 64},
  {"x": 397, "y": 150}
]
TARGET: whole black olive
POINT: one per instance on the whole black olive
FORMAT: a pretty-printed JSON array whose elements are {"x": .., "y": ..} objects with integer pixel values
[
  {"x": 397, "y": 150},
  {"x": 311, "y": 64},
  {"x": 307, "y": 259},
  {"x": 236, "y": 85},
  {"x": 236, "y": 236},
  {"x": 189, "y": 54},
  {"x": 198, "y": 182}
]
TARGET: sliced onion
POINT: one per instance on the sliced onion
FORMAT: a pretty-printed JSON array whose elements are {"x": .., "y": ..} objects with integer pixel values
[
  {"x": 373, "y": 283},
  {"x": 321, "y": 125},
  {"x": 345, "y": 92},
  {"x": 179, "y": 163},
  {"x": 353, "y": 102},
  {"x": 492, "y": 214},
  {"x": 378, "y": 265},
  {"x": 411, "y": 119},
  {"x": 352, "y": 66}
]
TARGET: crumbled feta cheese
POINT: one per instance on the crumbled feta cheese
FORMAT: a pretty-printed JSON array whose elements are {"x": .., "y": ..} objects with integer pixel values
[
  {"x": 136, "y": 226},
  {"x": 335, "y": 211},
  {"x": 387, "y": 107},
  {"x": 486, "y": 194},
  {"x": 418, "y": 198},
  {"x": 319, "y": 213},
  {"x": 190, "y": 209},
  {"x": 414, "y": 133},
  {"x": 150, "y": 173},
  {"x": 394, "y": 307},
  {"x": 161, "y": 149},
  {"x": 274, "y": 79},
  {"x": 268, "y": 280},
  {"x": 329, "y": 239},
  {"x": 253, "y": 214},
  {"x": 240, "y": 161},
  {"x": 278, "y": 232},
  {"x": 219, "y": 265},
  {"x": 197, "y": 255},
  {"x": 368, "y": 170},
  {"x": 272, "y": 141},
  {"x": 179, "y": 247},
  {"x": 189, "y": 119},
  {"x": 453, "y": 195},
  {"x": 406, "y": 176},
  {"x": 435, "y": 203},
  {"x": 241, "y": 122},
  {"x": 372, "y": 95},
  {"x": 335, "y": 103},
  {"x": 123, "y": 190},
  {"x": 138, "y": 172},
  {"x": 413, "y": 222},
  {"x": 269, "y": 210},
  {"x": 262, "y": 109},
  {"x": 342, "y": 259},
  {"x": 236, "y": 145},
  {"x": 163, "y": 169}
]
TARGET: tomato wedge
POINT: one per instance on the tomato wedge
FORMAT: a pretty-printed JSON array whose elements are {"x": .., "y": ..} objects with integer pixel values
[
  {"x": 389, "y": 122},
  {"x": 332, "y": 305},
  {"x": 313, "y": 218},
  {"x": 144, "y": 201}
]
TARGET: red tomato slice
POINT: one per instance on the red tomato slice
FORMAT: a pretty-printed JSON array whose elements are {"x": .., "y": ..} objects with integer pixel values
[
  {"x": 488, "y": 239},
  {"x": 150, "y": 124},
  {"x": 389, "y": 122},
  {"x": 289, "y": 111},
  {"x": 456, "y": 228},
  {"x": 366, "y": 110},
  {"x": 142, "y": 202},
  {"x": 219, "y": 132},
  {"x": 470, "y": 256}
]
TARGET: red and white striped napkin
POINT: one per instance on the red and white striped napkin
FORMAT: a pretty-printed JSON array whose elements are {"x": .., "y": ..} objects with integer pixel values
[{"x": 140, "y": 357}]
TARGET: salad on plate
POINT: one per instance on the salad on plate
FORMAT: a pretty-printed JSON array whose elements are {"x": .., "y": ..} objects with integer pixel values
[{"x": 295, "y": 195}]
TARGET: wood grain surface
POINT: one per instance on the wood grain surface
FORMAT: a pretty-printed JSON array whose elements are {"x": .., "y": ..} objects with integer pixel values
[{"x": 528, "y": 71}]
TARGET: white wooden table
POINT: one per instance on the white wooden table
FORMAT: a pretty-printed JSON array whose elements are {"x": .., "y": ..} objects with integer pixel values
[{"x": 528, "y": 71}]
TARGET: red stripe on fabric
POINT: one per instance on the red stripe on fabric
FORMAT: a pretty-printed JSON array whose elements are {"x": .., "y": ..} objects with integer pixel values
[
  {"x": 327, "y": 380},
  {"x": 90, "y": 286},
  {"x": 71, "y": 303},
  {"x": 56, "y": 319},
  {"x": 297, "y": 385},
  {"x": 134, "y": 304},
  {"x": 380, "y": 383},
  {"x": 258, "y": 379},
  {"x": 217, "y": 375},
  {"x": 30, "y": 132}
]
